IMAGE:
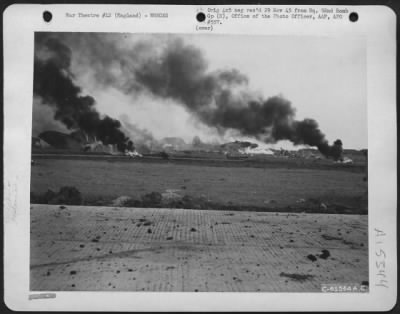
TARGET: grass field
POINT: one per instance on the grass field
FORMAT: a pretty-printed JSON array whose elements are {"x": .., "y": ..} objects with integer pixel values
[{"x": 259, "y": 187}]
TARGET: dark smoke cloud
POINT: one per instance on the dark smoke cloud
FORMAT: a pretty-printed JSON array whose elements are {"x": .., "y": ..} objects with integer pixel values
[
  {"x": 54, "y": 84},
  {"x": 167, "y": 67},
  {"x": 43, "y": 119},
  {"x": 180, "y": 72}
]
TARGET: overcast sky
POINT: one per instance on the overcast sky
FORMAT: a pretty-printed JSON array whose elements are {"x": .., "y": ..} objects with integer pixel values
[{"x": 324, "y": 79}]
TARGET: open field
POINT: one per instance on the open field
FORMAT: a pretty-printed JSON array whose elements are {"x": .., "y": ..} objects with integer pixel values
[
  {"x": 115, "y": 248},
  {"x": 213, "y": 159},
  {"x": 268, "y": 187},
  {"x": 136, "y": 249}
]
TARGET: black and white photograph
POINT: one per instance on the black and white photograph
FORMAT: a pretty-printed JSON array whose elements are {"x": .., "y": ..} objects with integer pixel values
[
  {"x": 199, "y": 158},
  {"x": 199, "y": 163}
]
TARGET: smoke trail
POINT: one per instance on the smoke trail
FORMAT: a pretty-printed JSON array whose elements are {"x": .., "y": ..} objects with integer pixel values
[
  {"x": 43, "y": 119},
  {"x": 54, "y": 84},
  {"x": 180, "y": 72},
  {"x": 167, "y": 67}
]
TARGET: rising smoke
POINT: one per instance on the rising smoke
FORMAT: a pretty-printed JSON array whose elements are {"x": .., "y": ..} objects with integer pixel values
[
  {"x": 171, "y": 69},
  {"x": 180, "y": 72},
  {"x": 54, "y": 85},
  {"x": 43, "y": 118}
]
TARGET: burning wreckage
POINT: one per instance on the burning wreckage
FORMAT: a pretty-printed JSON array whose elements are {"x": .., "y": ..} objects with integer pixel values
[
  {"x": 219, "y": 99},
  {"x": 77, "y": 142}
]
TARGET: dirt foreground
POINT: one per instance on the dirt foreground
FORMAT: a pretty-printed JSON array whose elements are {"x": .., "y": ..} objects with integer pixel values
[{"x": 77, "y": 248}]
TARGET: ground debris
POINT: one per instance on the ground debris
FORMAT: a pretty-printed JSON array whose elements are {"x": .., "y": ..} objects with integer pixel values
[
  {"x": 329, "y": 237},
  {"x": 311, "y": 257},
  {"x": 233, "y": 251},
  {"x": 296, "y": 277},
  {"x": 325, "y": 254}
]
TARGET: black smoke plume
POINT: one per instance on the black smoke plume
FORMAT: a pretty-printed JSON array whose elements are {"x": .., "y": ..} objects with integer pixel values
[
  {"x": 54, "y": 83},
  {"x": 166, "y": 67},
  {"x": 180, "y": 72}
]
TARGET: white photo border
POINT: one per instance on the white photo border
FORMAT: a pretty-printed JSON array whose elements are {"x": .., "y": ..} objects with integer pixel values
[{"x": 377, "y": 24}]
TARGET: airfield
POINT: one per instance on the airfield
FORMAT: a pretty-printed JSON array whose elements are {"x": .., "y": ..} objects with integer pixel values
[
  {"x": 136, "y": 249},
  {"x": 278, "y": 226}
]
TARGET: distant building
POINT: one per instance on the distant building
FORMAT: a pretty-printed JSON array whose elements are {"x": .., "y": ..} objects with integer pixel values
[
  {"x": 60, "y": 141},
  {"x": 39, "y": 143},
  {"x": 173, "y": 143}
]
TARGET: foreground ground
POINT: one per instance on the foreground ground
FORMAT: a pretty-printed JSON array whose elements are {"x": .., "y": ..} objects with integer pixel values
[
  {"x": 135, "y": 249},
  {"x": 273, "y": 186}
]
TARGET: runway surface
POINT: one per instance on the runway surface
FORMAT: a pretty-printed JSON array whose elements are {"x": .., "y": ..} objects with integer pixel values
[{"x": 79, "y": 248}]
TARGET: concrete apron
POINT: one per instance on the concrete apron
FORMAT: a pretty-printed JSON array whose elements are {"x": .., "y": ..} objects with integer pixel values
[{"x": 82, "y": 248}]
